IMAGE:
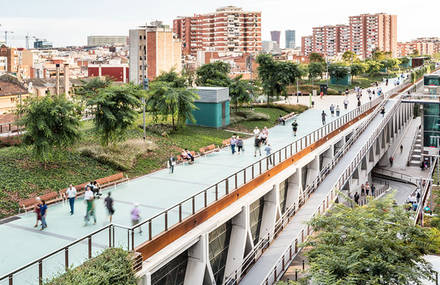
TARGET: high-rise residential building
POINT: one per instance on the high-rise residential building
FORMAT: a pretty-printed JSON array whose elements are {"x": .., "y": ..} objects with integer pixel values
[
  {"x": 154, "y": 49},
  {"x": 422, "y": 46},
  {"x": 229, "y": 30},
  {"x": 275, "y": 36},
  {"x": 306, "y": 45},
  {"x": 290, "y": 39},
  {"x": 102, "y": 41},
  {"x": 363, "y": 35},
  {"x": 369, "y": 32}
]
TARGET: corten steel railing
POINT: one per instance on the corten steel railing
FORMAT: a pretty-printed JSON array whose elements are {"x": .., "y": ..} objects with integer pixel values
[
  {"x": 201, "y": 200},
  {"x": 280, "y": 266}
]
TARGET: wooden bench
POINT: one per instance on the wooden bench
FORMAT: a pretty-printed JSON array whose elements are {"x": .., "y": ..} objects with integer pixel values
[
  {"x": 57, "y": 196},
  {"x": 180, "y": 159},
  {"x": 226, "y": 143},
  {"x": 208, "y": 149}
]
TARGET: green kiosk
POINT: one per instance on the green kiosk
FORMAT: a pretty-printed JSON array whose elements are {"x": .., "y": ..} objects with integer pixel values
[{"x": 213, "y": 107}]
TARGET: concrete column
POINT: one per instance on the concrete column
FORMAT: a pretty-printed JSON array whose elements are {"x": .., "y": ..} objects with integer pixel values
[
  {"x": 198, "y": 261},
  {"x": 294, "y": 188},
  {"x": 237, "y": 244},
  {"x": 124, "y": 74},
  {"x": 312, "y": 170},
  {"x": 269, "y": 212}
]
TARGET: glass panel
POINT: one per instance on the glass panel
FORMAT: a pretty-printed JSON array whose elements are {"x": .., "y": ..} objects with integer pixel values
[
  {"x": 173, "y": 273},
  {"x": 218, "y": 249},
  {"x": 256, "y": 215}
]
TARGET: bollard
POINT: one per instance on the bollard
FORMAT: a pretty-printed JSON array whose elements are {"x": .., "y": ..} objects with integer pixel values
[{"x": 303, "y": 265}]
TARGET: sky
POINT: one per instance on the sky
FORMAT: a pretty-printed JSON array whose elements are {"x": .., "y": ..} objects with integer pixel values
[{"x": 69, "y": 22}]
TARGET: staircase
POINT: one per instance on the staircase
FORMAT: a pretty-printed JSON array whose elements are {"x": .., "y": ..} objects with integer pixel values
[{"x": 416, "y": 153}]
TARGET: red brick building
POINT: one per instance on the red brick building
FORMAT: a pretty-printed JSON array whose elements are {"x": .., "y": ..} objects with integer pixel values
[{"x": 227, "y": 30}]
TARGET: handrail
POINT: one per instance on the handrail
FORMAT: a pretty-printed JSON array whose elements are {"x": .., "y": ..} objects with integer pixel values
[
  {"x": 396, "y": 174},
  {"x": 425, "y": 189},
  {"x": 277, "y": 157}
]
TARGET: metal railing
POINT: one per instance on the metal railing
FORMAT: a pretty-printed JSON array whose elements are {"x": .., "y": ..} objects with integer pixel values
[
  {"x": 280, "y": 266},
  {"x": 201, "y": 200},
  {"x": 425, "y": 186},
  {"x": 397, "y": 175}
]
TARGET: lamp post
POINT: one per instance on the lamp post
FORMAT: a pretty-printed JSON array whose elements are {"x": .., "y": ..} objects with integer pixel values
[{"x": 145, "y": 87}]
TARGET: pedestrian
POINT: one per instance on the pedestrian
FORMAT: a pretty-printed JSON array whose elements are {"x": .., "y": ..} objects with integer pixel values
[
  {"x": 370, "y": 96},
  {"x": 338, "y": 111},
  {"x": 346, "y": 92},
  {"x": 382, "y": 111},
  {"x": 386, "y": 82},
  {"x": 359, "y": 103},
  {"x": 43, "y": 213},
  {"x": 37, "y": 211},
  {"x": 323, "y": 115},
  {"x": 401, "y": 148},
  {"x": 186, "y": 155},
  {"x": 281, "y": 120},
  {"x": 90, "y": 210},
  {"x": 418, "y": 195},
  {"x": 256, "y": 131},
  {"x": 239, "y": 145},
  {"x": 391, "y": 161},
  {"x": 263, "y": 137},
  {"x": 373, "y": 190},
  {"x": 171, "y": 163},
  {"x": 367, "y": 189},
  {"x": 257, "y": 145},
  {"x": 356, "y": 198},
  {"x": 97, "y": 189},
  {"x": 332, "y": 110},
  {"x": 135, "y": 216},
  {"x": 233, "y": 143},
  {"x": 71, "y": 195},
  {"x": 362, "y": 190},
  {"x": 268, "y": 150},
  {"x": 108, "y": 202},
  {"x": 345, "y": 103},
  {"x": 321, "y": 95},
  {"x": 294, "y": 127}
]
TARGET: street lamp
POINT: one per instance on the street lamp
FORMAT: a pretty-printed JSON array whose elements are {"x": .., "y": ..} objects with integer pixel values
[{"x": 145, "y": 87}]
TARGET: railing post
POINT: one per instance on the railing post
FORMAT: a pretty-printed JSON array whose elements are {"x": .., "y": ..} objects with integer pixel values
[
  {"x": 216, "y": 191},
  {"x": 236, "y": 182},
  {"x": 166, "y": 220},
  {"x": 260, "y": 166},
  {"x": 253, "y": 175},
  {"x": 244, "y": 175},
  {"x": 226, "y": 186},
  {"x": 66, "y": 258},
  {"x": 205, "y": 194},
  {"x": 132, "y": 239},
  {"x": 90, "y": 246},
  {"x": 296, "y": 245},
  {"x": 194, "y": 204},
  {"x": 110, "y": 236},
  {"x": 180, "y": 212},
  {"x": 11, "y": 279},
  {"x": 40, "y": 272},
  {"x": 150, "y": 232}
]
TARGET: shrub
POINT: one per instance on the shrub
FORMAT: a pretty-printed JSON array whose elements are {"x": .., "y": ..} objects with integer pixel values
[
  {"x": 248, "y": 115},
  {"x": 297, "y": 108},
  {"x": 122, "y": 156},
  {"x": 112, "y": 266}
]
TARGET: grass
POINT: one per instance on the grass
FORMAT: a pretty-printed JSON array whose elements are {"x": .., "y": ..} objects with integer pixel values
[{"x": 22, "y": 177}]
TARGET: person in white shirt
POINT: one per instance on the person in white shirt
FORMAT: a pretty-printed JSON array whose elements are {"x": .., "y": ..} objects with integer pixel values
[
  {"x": 256, "y": 131},
  {"x": 71, "y": 195},
  {"x": 89, "y": 197}
]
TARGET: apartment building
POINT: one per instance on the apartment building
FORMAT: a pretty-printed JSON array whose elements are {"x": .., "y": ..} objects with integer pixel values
[
  {"x": 229, "y": 30},
  {"x": 306, "y": 45},
  {"x": 290, "y": 39},
  {"x": 19, "y": 61},
  {"x": 275, "y": 36},
  {"x": 154, "y": 48},
  {"x": 363, "y": 34}
]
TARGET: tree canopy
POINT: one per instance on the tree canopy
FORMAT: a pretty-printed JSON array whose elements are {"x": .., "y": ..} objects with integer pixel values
[
  {"x": 214, "y": 74},
  {"x": 176, "y": 80},
  {"x": 240, "y": 91},
  {"x": 358, "y": 68},
  {"x": 90, "y": 89},
  {"x": 115, "y": 110},
  {"x": 315, "y": 69},
  {"x": 50, "y": 122},
  {"x": 373, "y": 244},
  {"x": 338, "y": 70},
  {"x": 349, "y": 56},
  {"x": 275, "y": 76},
  {"x": 316, "y": 57}
]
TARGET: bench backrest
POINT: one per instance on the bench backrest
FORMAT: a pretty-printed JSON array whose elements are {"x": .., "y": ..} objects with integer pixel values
[{"x": 210, "y": 147}]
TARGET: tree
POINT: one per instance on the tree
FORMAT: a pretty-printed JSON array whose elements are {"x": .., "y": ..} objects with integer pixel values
[
  {"x": 349, "y": 56},
  {"x": 373, "y": 67},
  {"x": 358, "y": 68},
  {"x": 378, "y": 55},
  {"x": 240, "y": 91},
  {"x": 51, "y": 122},
  {"x": 90, "y": 89},
  {"x": 214, "y": 74},
  {"x": 374, "y": 244},
  {"x": 316, "y": 57},
  {"x": 174, "y": 78},
  {"x": 115, "y": 111},
  {"x": 165, "y": 101},
  {"x": 338, "y": 70},
  {"x": 390, "y": 63},
  {"x": 315, "y": 69},
  {"x": 276, "y": 76},
  {"x": 404, "y": 61}
]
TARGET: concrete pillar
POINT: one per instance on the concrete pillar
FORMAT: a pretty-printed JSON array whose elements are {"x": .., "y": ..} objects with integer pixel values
[
  {"x": 198, "y": 261},
  {"x": 326, "y": 157},
  {"x": 237, "y": 244},
  {"x": 294, "y": 188},
  {"x": 124, "y": 74},
  {"x": 269, "y": 212},
  {"x": 312, "y": 170}
]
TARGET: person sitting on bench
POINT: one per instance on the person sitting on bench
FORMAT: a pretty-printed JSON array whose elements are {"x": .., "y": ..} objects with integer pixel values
[{"x": 186, "y": 155}]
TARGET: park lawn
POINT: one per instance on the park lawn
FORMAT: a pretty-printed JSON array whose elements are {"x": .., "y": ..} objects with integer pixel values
[
  {"x": 22, "y": 177},
  {"x": 248, "y": 126}
]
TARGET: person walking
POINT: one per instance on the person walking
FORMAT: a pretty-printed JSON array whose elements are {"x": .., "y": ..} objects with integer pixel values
[
  {"x": 356, "y": 198},
  {"x": 281, "y": 120},
  {"x": 233, "y": 143},
  {"x": 321, "y": 95},
  {"x": 37, "y": 211},
  {"x": 346, "y": 92},
  {"x": 338, "y": 111},
  {"x": 256, "y": 131},
  {"x": 373, "y": 190},
  {"x": 391, "y": 161},
  {"x": 323, "y": 115},
  {"x": 345, "y": 103},
  {"x": 359, "y": 103},
  {"x": 401, "y": 148},
  {"x": 362, "y": 190},
  {"x": 108, "y": 202},
  {"x": 367, "y": 189},
  {"x": 97, "y": 189},
  {"x": 71, "y": 196},
  {"x": 135, "y": 216},
  {"x": 90, "y": 210},
  {"x": 294, "y": 127},
  {"x": 257, "y": 145},
  {"x": 382, "y": 111},
  {"x": 43, "y": 213},
  {"x": 332, "y": 110},
  {"x": 171, "y": 163},
  {"x": 268, "y": 150},
  {"x": 239, "y": 144}
]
